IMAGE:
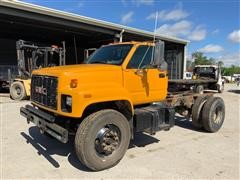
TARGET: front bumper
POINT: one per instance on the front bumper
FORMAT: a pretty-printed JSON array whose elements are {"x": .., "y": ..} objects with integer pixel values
[{"x": 45, "y": 122}]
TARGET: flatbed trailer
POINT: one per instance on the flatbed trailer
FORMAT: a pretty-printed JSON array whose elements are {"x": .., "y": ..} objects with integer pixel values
[
  {"x": 196, "y": 85},
  {"x": 205, "y": 77}
]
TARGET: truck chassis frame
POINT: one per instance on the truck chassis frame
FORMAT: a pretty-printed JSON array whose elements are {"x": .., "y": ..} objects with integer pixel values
[{"x": 181, "y": 102}]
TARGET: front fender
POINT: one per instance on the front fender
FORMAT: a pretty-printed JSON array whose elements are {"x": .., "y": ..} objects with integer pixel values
[{"x": 82, "y": 99}]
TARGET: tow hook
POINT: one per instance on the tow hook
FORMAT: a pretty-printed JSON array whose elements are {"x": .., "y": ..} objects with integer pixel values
[
  {"x": 29, "y": 119},
  {"x": 41, "y": 130}
]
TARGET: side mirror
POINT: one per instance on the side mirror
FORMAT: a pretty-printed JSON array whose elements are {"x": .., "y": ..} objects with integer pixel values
[{"x": 158, "y": 56}]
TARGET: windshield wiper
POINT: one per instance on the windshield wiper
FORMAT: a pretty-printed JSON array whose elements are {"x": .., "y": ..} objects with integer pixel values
[{"x": 98, "y": 62}]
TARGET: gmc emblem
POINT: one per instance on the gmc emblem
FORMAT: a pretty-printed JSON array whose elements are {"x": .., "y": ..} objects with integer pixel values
[{"x": 41, "y": 90}]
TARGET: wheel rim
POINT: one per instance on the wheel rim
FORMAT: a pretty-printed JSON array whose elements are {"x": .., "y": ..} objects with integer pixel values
[
  {"x": 217, "y": 116},
  {"x": 108, "y": 140},
  {"x": 17, "y": 91}
]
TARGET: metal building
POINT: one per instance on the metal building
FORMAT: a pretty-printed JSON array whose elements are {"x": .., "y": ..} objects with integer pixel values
[{"x": 20, "y": 20}]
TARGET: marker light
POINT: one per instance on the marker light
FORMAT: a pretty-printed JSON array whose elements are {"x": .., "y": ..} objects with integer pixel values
[{"x": 73, "y": 83}]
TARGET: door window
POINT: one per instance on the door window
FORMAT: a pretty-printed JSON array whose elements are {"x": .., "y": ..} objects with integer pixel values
[{"x": 141, "y": 58}]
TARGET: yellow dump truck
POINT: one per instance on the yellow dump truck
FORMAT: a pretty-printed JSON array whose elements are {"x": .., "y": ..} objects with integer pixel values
[{"x": 121, "y": 89}]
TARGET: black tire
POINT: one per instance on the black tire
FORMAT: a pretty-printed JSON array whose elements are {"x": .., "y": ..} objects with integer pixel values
[
  {"x": 199, "y": 89},
  {"x": 87, "y": 134},
  {"x": 17, "y": 91},
  {"x": 197, "y": 111},
  {"x": 213, "y": 114}
]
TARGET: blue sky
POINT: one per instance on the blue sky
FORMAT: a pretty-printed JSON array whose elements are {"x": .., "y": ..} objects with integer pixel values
[{"x": 213, "y": 27}]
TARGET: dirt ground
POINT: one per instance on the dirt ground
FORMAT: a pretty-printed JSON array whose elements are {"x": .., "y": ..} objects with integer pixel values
[{"x": 182, "y": 152}]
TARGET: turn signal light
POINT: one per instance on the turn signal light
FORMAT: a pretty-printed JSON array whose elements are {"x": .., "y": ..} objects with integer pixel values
[{"x": 73, "y": 83}]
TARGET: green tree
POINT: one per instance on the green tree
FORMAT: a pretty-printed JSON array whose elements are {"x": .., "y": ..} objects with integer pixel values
[
  {"x": 200, "y": 59},
  {"x": 229, "y": 71},
  {"x": 221, "y": 63},
  {"x": 189, "y": 65}
]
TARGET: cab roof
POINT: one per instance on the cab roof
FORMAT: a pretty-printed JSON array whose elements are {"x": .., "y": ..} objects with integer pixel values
[{"x": 134, "y": 43}]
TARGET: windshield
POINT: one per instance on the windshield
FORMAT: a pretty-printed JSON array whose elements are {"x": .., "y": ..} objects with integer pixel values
[
  {"x": 113, "y": 54},
  {"x": 204, "y": 70}
]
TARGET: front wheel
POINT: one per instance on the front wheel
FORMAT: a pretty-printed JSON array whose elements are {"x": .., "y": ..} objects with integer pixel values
[
  {"x": 102, "y": 139},
  {"x": 17, "y": 91}
]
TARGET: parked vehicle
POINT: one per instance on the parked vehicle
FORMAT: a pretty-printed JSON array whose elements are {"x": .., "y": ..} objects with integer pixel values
[
  {"x": 31, "y": 56},
  {"x": 237, "y": 80},
  {"x": 121, "y": 89},
  {"x": 188, "y": 75},
  {"x": 7, "y": 72},
  {"x": 205, "y": 77}
]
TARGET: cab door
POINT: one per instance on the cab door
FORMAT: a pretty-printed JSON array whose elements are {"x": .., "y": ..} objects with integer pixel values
[{"x": 144, "y": 82}]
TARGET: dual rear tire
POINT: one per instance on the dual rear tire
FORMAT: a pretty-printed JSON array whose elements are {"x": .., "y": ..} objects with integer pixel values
[{"x": 208, "y": 113}]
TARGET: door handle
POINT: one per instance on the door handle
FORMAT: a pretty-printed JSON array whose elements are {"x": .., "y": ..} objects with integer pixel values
[
  {"x": 139, "y": 72},
  {"x": 162, "y": 75}
]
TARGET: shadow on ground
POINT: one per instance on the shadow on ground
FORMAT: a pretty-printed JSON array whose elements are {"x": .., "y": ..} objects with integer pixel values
[
  {"x": 4, "y": 90},
  {"x": 237, "y": 91},
  {"x": 47, "y": 146},
  {"x": 186, "y": 124}
]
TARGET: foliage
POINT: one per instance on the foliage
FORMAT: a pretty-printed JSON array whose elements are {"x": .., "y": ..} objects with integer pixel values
[
  {"x": 200, "y": 59},
  {"x": 229, "y": 71}
]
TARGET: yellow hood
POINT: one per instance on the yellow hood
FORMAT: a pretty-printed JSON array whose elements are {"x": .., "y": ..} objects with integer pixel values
[{"x": 69, "y": 69}]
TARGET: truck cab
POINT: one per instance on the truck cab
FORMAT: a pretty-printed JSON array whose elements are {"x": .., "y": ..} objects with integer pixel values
[
  {"x": 116, "y": 72},
  {"x": 210, "y": 72}
]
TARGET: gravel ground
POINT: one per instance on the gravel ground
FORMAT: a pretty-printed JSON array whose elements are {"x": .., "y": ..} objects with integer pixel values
[{"x": 181, "y": 152}]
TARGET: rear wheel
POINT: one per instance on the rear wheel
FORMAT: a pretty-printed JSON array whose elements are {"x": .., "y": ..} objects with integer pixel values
[
  {"x": 213, "y": 114},
  {"x": 199, "y": 89},
  {"x": 197, "y": 111},
  {"x": 102, "y": 139},
  {"x": 17, "y": 91}
]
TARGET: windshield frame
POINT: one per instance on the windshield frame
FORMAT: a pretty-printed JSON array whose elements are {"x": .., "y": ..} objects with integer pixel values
[{"x": 88, "y": 60}]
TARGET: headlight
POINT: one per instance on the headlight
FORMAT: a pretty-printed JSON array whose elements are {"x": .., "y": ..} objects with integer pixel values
[
  {"x": 66, "y": 103},
  {"x": 69, "y": 100}
]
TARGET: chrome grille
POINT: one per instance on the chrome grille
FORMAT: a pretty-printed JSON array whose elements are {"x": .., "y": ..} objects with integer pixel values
[{"x": 44, "y": 90}]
